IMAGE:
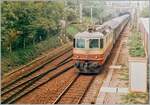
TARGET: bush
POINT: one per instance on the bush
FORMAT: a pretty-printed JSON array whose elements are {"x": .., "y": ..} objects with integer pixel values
[
  {"x": 71, "y": 31},
  {"x": 136, "y": 47},
  {"x": 145, "y": 12},
  {"x": 135, "y": 98},
  {"x": 23, "y": 56}
]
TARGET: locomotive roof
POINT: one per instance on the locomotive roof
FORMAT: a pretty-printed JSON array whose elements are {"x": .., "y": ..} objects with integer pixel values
[
  {"x": 87, "y": 34},
  {"x": 113, "y": 23}
]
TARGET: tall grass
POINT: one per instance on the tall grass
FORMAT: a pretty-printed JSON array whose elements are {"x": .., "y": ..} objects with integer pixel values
[
  {"x": 135, "y": 98},
  {"x": 23, "y": 56},
  {"x": 136, "y": 47}
]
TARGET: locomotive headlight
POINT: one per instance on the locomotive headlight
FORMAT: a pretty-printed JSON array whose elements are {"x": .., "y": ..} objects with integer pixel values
[
  {"x": 96, "y": 57},
  {"x": 77, "y": 56}
]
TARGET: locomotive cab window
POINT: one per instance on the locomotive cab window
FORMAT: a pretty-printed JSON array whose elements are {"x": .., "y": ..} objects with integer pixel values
[
  {"x": 80, "y": 43},
  {"x": 93, "y": 43}
]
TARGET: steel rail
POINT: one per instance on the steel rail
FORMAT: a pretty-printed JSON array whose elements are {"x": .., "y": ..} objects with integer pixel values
[
  {"x": 32, "y": 62},
  {"x": 23, "y": 91},
  {"x": 69, "y": 86},
  {"x": 25, "y": 82},
  {"x": 35, "y": 69},
  {"x": 66, "y": 89},
  {"x": 87, "y": 88}
]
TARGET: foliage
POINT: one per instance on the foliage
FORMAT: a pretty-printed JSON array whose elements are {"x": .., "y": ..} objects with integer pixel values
[
  {"x": 145, "y": 12},
  {"x": 22, "y": 56},
  {"x": 70, "y": 14},
  {"x": 98, "y": 10},
  {"x": 135, "y": 98},
  {"x": 25, "y": 23},
  {"x": 71, "y": 31},
  {"x": 124, "y": 75},
  {"x": 29, "y": 28},
  {"x": 136, "y": 47}
]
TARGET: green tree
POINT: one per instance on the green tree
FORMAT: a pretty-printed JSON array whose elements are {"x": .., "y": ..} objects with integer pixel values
[{"x": 32, "y": 21}]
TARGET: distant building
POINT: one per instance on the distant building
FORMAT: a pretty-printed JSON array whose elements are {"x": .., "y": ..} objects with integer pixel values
[{"x": 129, "y": 3}]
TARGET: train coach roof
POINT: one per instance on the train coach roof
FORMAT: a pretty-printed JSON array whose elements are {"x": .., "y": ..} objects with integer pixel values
[
  {"x": 113, "y": 23},
  {"x": 87, "y": 34}
]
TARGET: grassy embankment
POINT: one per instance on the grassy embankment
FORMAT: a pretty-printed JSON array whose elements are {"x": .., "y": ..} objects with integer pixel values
[
  {"x": 136, "y": 48},
  {"x": 135, "y": 98},
  {"x": 20, "y": 57}
]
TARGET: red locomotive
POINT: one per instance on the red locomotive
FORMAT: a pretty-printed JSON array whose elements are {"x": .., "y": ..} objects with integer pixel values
[{"x": 92, "y": 47}]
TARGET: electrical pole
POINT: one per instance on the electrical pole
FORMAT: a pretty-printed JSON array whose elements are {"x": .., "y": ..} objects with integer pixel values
[
  {"x": 80, "y": 13},
  {"x": 65, "y": 18},
  {"x": 91, "y": 15},
  {"x": 149, "y": 46}
]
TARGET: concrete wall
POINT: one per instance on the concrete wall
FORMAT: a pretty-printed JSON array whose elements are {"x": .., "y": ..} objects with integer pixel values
[
  {"x": 138, "y": 74},
  {"x": 144, "y": 29}
]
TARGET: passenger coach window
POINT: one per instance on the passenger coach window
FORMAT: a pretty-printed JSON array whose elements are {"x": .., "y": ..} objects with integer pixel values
[
  {"x": 80, "y": 43},
  {"x": 93, "y": 43},
  {"x": 101, "y": 43}
]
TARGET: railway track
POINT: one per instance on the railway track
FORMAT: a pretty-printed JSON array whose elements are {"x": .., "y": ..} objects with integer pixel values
[
  {"x": 34, "y": 65},
  {"x": 19, "y": 82},
  {"x": 75, "y": 90},
  {"x": 113, "y": 59},
  {"x": 31, "y": 74},
  {"x": 28, "y": 82},
  {"x": 32, "y": 85},
  {"x": 72, "y": 94}
]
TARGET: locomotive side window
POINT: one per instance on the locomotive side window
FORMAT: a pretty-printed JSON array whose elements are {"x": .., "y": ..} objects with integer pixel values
[
  {"x": 93, "y": 43},
  {"x": 80, "y": 43},
  {"x": 101, "y": 43}
]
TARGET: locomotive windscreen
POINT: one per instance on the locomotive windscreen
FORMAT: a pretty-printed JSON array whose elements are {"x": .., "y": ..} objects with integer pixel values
[
  {"x": 80, "y": 43},
  {"x": 93, "y": 43}
]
